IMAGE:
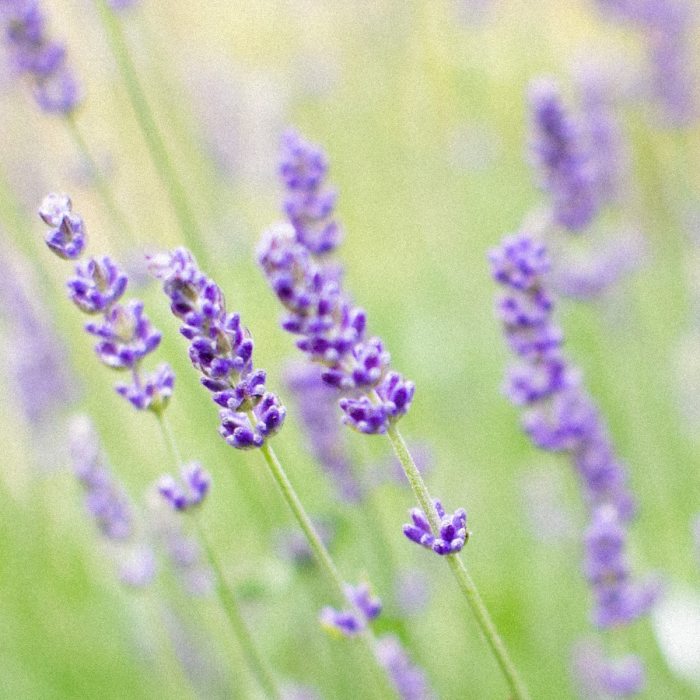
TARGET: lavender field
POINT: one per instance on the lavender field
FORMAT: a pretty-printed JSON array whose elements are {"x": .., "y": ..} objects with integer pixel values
[{"x": 350, "y": 349}]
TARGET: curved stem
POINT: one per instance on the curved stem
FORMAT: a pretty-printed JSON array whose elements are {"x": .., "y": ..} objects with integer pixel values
[
  {"x": 319, "y": 549},
  {"x": 118, "y": 219},
  {"x": 464, "y": 580},
  {"x": 151, "y": 133},
  {"x": 254, "y": 659}
]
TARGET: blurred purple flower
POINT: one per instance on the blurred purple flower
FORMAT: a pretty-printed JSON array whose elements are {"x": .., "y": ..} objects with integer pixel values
[
  {"x": 410, "y": 681},
  {"x": 598, "y": 676},
  {"x": 189, "y": 491}
]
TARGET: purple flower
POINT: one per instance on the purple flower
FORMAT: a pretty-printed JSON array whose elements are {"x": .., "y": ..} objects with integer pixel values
[
  {"x": 453, "y": 533},
  {"x": 221, "y": 349},
  {"x": 618, "y": 600},
  {"x": 561, "y": 158},
  {"x": 33, "y": 353},
  {"x": 308, "y": 203},
  {"x": 365, "y": 608},
  {"x": 410, "y": 681},
  {"x": 125, "y": 333},
  {"x": 67, "y": 236},
  {"x": 332, "y": 333},
  {"x": 560, "y": 416},
  {"x": 598, "y": 676},
  {"x": 34, "y": 54},
  {"x": 98, "y": 283},
  {"x": 189, "y": 491}
]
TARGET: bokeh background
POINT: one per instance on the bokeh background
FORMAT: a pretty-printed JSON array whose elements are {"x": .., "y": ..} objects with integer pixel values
[{"x": 421, "y": 107}]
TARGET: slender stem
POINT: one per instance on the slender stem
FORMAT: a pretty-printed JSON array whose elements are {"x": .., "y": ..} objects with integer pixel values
[
  {"x": 318, "y": 548},
  {"x": 118, "y": 218},
  {"x": 464, "y": 580},
  {"x": 151, "y": 133},
  {"x": 255, "y": 661}
]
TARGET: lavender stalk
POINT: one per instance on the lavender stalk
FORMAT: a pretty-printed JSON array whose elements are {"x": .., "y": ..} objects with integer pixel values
[
  {"x": 332, "y": 332},
  {"x": 155, "y": 142}
]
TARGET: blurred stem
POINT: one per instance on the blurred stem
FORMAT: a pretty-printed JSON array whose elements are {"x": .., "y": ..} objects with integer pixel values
[
  {"x": 254, "y": 659},
  {"x": 151, "y": 133},
  {"x": 119, "y": 221},
  {"x": 464, "y": 580},
  {"x": 321, "y": 553}
]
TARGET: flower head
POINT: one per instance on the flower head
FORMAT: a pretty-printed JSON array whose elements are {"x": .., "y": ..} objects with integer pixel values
[
  {"x": 189, "y": 491},
  {"x": 452, "y": 535}
]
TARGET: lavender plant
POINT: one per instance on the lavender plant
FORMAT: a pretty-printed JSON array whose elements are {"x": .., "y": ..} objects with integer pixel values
[
  {"x": 332, "y": 332},
  {"x": 560, "y": 416}
]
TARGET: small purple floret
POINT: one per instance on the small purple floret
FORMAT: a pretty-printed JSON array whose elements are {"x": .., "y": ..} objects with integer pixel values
[
  {"x": 453, "y": 533},
  {"x": 187, "y": 492}
]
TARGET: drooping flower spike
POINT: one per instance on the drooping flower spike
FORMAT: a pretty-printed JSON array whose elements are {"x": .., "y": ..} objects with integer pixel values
[
  {"x": 221, "y": 349},
  {"x": 33, "y": 54},
  {"x": 125, "y": 334}
]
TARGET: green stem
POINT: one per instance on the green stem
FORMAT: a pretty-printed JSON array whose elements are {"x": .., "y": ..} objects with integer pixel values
[
  {"x": 464, "y": 580},
  {"x": 318, "y": 548},
  {"x": 118, "y": 219},
  {"x": 255, "y": 661},
  {"x": 151, "y": 133}
]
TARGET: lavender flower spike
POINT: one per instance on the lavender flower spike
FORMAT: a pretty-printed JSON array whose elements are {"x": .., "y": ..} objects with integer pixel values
[
  {"x": 561, "y": 158},
  {"x": 221, "y": 349},
  {"x": 331, "y": 332},
  {"x": 190, "y": 491},
  {"x": 125, "y": 335},
  {"x": 34, "y": 54},
  {"x": 453, "y": 530},
  {"x": 308, "y": 204}
]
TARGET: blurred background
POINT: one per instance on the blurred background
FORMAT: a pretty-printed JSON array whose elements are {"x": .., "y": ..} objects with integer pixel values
[{"x": 422, "y": 109}]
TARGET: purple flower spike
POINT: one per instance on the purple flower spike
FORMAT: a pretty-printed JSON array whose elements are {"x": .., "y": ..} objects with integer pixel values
[
  {"x": 67, "y": 238},
  {"x": 190, "y": 491},
  {"x": 453, "y": 530},
  {"x": 97, "y": 285},
  {"x": 561, "y": 157},
  {"x": 221, "y": 349},
  {"x": 599, "y": 676},
  {"x": 308, "y": 204},
  {"x": 33, "y": 54},
  {"x": 125, "y": 334}
]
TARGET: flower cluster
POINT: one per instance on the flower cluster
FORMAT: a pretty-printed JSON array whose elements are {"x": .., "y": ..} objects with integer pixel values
[
  {"x": 561, "y": 158},
  {"x": 221, "y": 349},
  {"x": 453, "y": 533},
  {"x": 315, "y": 403},
  {"x": 35, "y": 55},
  {"x": 190, "y": 491},
  {"x": 308, "y": 203},
  {"x": 560, "y": 416},
  {"x": 108, "y": 504},
  {"x": 364, "y": 608},
  {"x": 125, "y": 335},
  {"x": 333, "y": 332}
]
